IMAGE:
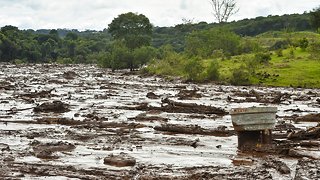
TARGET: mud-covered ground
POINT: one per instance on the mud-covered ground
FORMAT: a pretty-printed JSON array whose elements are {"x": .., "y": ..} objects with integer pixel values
[{"x": 82, "y": 122}]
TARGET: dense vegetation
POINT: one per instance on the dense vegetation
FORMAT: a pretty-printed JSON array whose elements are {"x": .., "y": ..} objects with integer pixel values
[{"x": 274, "y": 50}]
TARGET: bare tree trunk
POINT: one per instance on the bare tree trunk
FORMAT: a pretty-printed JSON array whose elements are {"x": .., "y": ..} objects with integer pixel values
[{"x": 223, "y": 9}]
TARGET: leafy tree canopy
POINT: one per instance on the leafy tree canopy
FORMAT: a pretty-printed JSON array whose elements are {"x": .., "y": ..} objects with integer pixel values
[
  {"x": 134, "y": 29},
  {"x": 315, "y": 18}
]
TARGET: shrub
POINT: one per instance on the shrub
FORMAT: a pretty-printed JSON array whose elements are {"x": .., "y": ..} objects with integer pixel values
[
  {"x": 279, "y": 53},
  {"x": 314, "y": 50},
  {"x": 193, "y": 69},
  {"x": 303, "y": 43},
  {"x": 283, "y": 44},
  {"x": 240, "y": 76},
  {"x": 262, "y": 57},
  {"x": 65, "y": 61},
  {"x": 213, "y": 71},
  {"x": 143, "y": 55}
]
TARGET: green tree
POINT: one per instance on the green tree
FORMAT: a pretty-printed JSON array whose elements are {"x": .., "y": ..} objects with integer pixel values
[
  {"x": 315, "y": 18},
  {"x": 204, "y": 43},
  {"x": 143, "y": 55},
  {"x": 71, "y": 36},
  {"x": 134, "y": 29},
  {"x": 303, "y": 43}
]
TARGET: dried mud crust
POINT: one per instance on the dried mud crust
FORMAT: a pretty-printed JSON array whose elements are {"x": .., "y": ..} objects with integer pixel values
[{"x": 89, "y": 123}]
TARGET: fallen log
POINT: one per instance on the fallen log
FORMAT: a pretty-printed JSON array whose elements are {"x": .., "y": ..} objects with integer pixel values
[
  {"x": 170, "y": 106},
  {"x": 308, "y": 118},
  {"x": 312, "y": 133},
  {"x": 194, "y": 129}
]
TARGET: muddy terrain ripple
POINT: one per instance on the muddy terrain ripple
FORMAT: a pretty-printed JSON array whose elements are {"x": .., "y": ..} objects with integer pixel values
[{"x": 83, "y": 122}]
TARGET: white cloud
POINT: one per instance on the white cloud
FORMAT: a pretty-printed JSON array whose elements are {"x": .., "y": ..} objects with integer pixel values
[{"x": 97, "y": 14}]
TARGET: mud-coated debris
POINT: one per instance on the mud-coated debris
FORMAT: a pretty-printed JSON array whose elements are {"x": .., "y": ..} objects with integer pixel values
[
  {"x": 311, "y": 133},
  {"x": 277, "y": 165},
  {"x": 242, "y": 162},
  {"x": 70, "y": 75},
  {"x": 4, "y": 147},
  {"x": 45, "y": 151},
  {"x": 179, "y": 107},
  {"x": 96, "y": 117},
  {"x": 121, "y": 160},
  {"x": 188, "y": 94},
  {"x": 143, "y": 117},
  {"x": 193, "y": 129},
  {"x": 152, "y": 95},
  {"x": 307, "y": 169},
  {"x": 255, "y": 96},
  {"x": 9, "y": 158},
  {"x": 41, "y": 94},
  {"x": 299, "y": 153},
  {"x": 308, "y": 118},
  {"x": 58, "y": 120},
  {"x": 195, "y": 143},
  {"x": 283, "y": 126},
  {"x": 6, "y": 85},
  {"x": 55, "y": 106}
]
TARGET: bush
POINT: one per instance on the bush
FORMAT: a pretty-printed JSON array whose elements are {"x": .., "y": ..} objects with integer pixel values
[
  {"x": 240, "y": 76},
  {"x": 279, "y": 53},
  {"x": 314, "y": 50},
  {"x": 283, "y": 44},
  {"x": 213, "y": 71},
  {"x": 169, "y": 63},
  {"x": 248, "y": 46},
  {"x": 143, "y": 55},
  {"x": 303, "y": 43},
  {"x": 262, "y": 57},
  {"x": 204, "y": 43},
  {"x": 65, "y": 61},
  {"x": 193, "y": 69}
]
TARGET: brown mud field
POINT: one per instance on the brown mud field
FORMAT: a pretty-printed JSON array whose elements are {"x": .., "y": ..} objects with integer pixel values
[{"x": 83, "y": 122}]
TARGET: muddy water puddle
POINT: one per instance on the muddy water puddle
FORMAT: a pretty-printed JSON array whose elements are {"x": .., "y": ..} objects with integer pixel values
[{"x": 83, "y": 122}]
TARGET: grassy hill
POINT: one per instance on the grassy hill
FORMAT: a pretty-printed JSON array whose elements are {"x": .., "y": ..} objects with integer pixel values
[{"x": 288, "y": 65}]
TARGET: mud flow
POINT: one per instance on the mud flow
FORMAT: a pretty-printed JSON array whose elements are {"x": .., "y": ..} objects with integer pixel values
[{"x": 82, "y": 122}]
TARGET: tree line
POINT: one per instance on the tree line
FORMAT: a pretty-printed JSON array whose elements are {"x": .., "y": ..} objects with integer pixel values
[{"x": 130, "y": 41}]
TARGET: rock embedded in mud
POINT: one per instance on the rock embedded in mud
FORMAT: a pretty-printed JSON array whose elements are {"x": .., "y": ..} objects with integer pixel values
[
  {"x": 55, "y": 106},
  {"x": 121, "y": 160}
]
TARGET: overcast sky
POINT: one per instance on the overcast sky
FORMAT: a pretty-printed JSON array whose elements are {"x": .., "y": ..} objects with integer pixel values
[{"x": 97, "y": 14}]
